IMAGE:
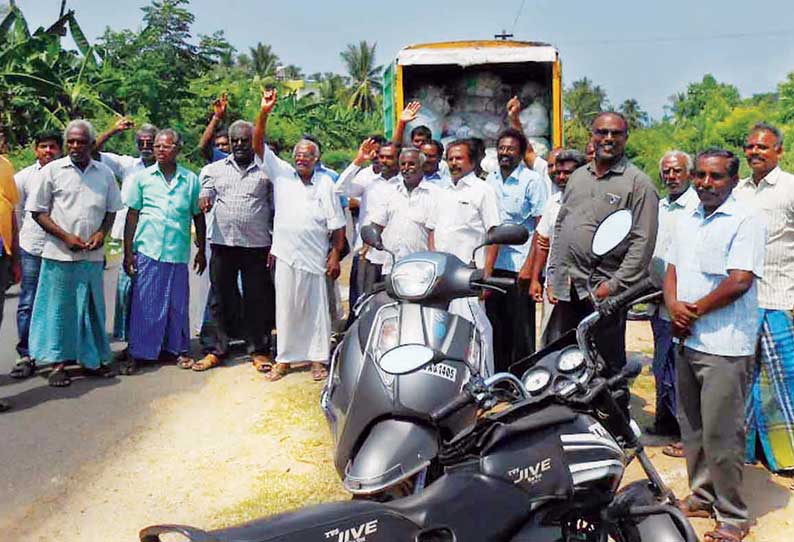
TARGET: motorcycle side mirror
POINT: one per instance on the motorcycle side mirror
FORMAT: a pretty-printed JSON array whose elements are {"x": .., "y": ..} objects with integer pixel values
[
  {"x": 611, "y": 232},
  {"x": 370, "y": 234},
  {"x": 504, "y": 234},
  {"x": 406, "y": 358}
]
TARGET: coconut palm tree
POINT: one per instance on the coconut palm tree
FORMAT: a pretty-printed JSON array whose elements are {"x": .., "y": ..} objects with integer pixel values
[
  {"x": 263, "y": 60},
  {"x": 365, "y": 77},
  {"x": 636, "y": 117}
]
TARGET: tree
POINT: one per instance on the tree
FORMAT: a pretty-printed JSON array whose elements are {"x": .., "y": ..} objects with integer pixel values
[
  {"x": 263, "y": 60},
  {"x": 365, "y": 77},
  {"x": 636, "y": 117},
  {"x": 583, "y": 100}
]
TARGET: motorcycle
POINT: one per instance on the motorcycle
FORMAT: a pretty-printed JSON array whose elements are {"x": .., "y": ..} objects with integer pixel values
[
  {"x": 542, "y": 462},
  {"x": 384, "y": 443}
]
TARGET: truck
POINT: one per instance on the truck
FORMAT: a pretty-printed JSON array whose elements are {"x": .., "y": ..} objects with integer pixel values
[{"x": 464, "y": 86}]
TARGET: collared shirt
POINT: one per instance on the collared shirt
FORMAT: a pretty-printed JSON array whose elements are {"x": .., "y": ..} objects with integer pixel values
[
  {"x": 522, "y": 197},
  {"x": 356, "y": 182},
  {"x": 541, "y": 167},
  {"x": 31, "y": 236},
  {"x": 438, "y": 179},
  {"x": 546, "y": 224},
  {"x": 774, "y": 199},
  {"x": 670, "y": 211},
  {"x": 466, "y": 211},
  {"x": 125, "y": 168},
  {"x": 704, "y": 250},
  {"x": 77, "y": 201},
  {"x": 9, "y": 197},
  {"x": 588, "y": 200},
  {"x": 242, "y": 203},
  {"x": 306, "y": 213},
  {"x": 407, "y": 219},
  {"x": 166, "y": 209}
]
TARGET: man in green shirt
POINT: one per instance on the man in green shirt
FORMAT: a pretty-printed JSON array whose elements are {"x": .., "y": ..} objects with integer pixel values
[{"x": 162, "y": 200}]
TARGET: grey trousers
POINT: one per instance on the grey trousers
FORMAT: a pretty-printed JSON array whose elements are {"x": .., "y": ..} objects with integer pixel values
[{"x": 711, "y": 396}]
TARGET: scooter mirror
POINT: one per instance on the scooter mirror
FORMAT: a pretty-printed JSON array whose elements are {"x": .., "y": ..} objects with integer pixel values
[
  {"x": 371, "y": 235},
  {"x": 611, "y": 232},
  {"x": 507, "y": 234},
  {"x": 406, "y": 358}
]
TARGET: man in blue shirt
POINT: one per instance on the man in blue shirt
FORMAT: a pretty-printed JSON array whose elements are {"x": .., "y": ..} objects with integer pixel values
[
  {"x": 716, "y": 254},
  {"x": 522, "y": 196}
]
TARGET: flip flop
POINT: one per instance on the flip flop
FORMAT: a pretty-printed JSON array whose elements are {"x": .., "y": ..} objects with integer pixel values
[
  {"x": 262, "y": 363},
  {"x": 58, "y": 378},
  {"x": 277, "y": 372},
  {"x": 319, "y": 373},
  {"x": 128, "y": 366},
  {"x": 674, "y": 450},
  {"x": 207, "y": 362},
  {"x": 725, "y": 532},
  {"x": 104, "y": 371},
  {"x": 185, "y": 362},
  {"x": 24, "y": 368},
  {"x": 693, "y": 509}
]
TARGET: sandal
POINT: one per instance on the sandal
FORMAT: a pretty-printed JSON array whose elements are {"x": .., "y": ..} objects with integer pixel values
[
  {"x": 58, "y": 377},
  {"x": 4, "y": 405},
  {"x": 207, "y": 362},
  {"x": 725, "y": 532},
  {"x": 185, "y": 362},
  {"x": 674, "y": 450},
  {"x": 277, "y": 372},
  {"x": 319, "y": 372},
  {"x": 128, "y": 366},
  {"x": 691, "y": 508},
  {"x": 262, "y": 363},
  {"x": 24, "y": 368},
  {"x": 104, "y": 371}
]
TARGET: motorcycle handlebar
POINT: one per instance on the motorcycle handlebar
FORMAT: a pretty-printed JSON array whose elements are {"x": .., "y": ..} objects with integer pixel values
[
  {"x": 619, "y": 301},
  {"x": 444, "y": 411}
]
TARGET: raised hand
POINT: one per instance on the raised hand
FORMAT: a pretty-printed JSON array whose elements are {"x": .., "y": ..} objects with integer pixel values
[
  {"x": 366, "y": 151},
  {"x": 513, "y": 107},
  {"x": 219, "y": 106},
  {"x": 124, "y": 123},
  {"x": 269, "y": 98},
  {"x": 410, "y": 111}
]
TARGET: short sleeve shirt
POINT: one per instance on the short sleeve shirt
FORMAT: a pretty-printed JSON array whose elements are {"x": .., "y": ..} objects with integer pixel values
[
  {"x": 166, "y": 209},
  {"x": 77, "y": 202},
  {"x": 31, "y": 236},
  {"x": 125, "y": 167},
  {"x": 704, "y": 250}
]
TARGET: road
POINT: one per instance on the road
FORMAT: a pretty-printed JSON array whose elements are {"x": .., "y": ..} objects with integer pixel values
[{"x": 51, "y": 432}]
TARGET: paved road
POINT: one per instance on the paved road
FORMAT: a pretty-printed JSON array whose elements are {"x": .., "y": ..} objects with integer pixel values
[{"x": 50, "y": 432}]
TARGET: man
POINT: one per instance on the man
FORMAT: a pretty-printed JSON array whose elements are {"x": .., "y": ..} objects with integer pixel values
[
  {"x": 770, "y": 191},
  {"x": 162, "y": 200},
  {"x": 467, "y": 210},
  {"x": 522, "y": 195},
  {"x": 47, "y": 146},
  {"x": 214, "y": 142},
  {"x": 675, "y": 170},
  {"x": 308, "y": 209},
  {"x": 75, "y": 202},
  {"x": 608, "y": 183},
  {"x": 562, "y": 165},
  {"x": 531, "y": 159},
  {"x": 9, "y": 266},
  {"x": 590, "y": 151},
  {"x": 406, "y": 214},
  {"x": 125, "y": 167},
  {"x": 240, "y": 191},
  {"x": 420, "y": 135},
  {"x": 434, "y": 151},
  {"x": 716, "y": 254}
]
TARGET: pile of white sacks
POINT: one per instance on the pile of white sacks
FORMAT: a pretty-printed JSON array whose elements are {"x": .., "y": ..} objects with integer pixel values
[{"x": 476, "y": 106}]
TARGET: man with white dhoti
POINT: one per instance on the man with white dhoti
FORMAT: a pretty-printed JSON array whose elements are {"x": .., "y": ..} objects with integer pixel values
[
  {"x": 467, "y": 209},
  {"x": 307, "y": 211}
]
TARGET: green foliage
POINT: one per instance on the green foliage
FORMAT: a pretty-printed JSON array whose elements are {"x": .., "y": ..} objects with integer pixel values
[{"x": 367, "y": 79}]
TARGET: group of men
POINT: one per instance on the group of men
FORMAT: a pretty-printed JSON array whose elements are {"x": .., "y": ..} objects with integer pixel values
[{"x": 274, "y": 234}]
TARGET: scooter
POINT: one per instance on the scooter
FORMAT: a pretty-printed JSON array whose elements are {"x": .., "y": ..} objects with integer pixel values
[
  {"x": 542, "y": 462},
  {"x": 385, "y": 445}
]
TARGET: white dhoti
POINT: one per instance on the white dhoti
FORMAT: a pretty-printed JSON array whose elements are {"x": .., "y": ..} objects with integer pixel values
[
  {"x": 473, "y": 310},
  {"x": 303, "y": 321}
]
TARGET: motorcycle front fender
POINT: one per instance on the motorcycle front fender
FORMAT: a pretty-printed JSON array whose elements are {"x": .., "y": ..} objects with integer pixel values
[
  {"x": 393, "y": 451},
  {"x": 670, "y": 526}
]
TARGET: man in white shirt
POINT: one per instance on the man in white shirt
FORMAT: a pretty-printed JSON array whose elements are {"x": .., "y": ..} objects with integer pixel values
[
  {"x": 675, "y": 170},
  {"x": 770, "y": 190},
  {"x": 307, "y": 211},
  {"x": 434, "y": 152},
  {"x": 47, "y": 146},
  {"x": 467, "y": 209},
  {"x": 406, "y": 215}
]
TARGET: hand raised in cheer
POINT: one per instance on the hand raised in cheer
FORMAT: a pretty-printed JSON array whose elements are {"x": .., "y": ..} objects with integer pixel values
[
  {"x": 269, "y": 98},
  {"x": 366, "y": 151},
  {"x": 219, "y": 106},
  {"x": 123, "y": 123},
  {"x": 513, "y": 107},
  {"x": 410, "y": 112}
]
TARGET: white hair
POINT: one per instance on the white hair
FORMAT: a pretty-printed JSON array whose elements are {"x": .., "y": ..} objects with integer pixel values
[
  {"x": 80, "y": 124},
  {"x": 238, "y": 125},
  {"x": 690, "y": 165},
  {"x": 306, "y": 142},
  {"x": 422, "y": 156},
  {"x": 173, "y": 134}
]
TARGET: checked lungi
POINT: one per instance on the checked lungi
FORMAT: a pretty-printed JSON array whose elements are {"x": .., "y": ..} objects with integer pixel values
[
  {"x": 121, "y": 314},
  {"x": 769, "y": 412},
  {"x": 68, "y": 322},
  {"x": 159, "y": 308}
]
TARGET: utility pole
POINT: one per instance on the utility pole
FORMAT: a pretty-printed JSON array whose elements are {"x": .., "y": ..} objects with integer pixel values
[{"x": 503, "y": 36}]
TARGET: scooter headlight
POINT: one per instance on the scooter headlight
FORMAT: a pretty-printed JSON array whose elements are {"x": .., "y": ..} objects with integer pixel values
[
  {"x": 571, "y": 359},
  {"x": 413, "y": 279}
]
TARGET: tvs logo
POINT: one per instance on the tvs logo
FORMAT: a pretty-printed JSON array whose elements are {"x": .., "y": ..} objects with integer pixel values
[
  {"x": 353, "y": 534},
  {"x": 531, "y": 474}
]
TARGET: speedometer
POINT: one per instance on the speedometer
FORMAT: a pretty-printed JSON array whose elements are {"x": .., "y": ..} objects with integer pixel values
[
  {"x": 571, "y": 359},
  {"x": 536, "y": 380}
]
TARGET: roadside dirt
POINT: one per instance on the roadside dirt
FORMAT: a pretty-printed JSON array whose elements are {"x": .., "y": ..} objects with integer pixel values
[{"x": 240, "y": 448}]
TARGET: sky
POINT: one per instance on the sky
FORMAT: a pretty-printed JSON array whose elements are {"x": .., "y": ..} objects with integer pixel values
[{"x": 642, "y": 49}]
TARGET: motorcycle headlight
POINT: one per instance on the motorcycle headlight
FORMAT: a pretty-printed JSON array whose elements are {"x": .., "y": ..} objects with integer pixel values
[
  {"x": 571, "y": 359},
  {"x": 536, "y": 380},
  {"x": 413, "y": 280}
]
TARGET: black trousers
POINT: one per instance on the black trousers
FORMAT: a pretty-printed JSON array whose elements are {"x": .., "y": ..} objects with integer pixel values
[
  {"x": 512, "y": 316},
  {"x": 258, "y": 299},
  {"x": 610, "y": 335}
]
